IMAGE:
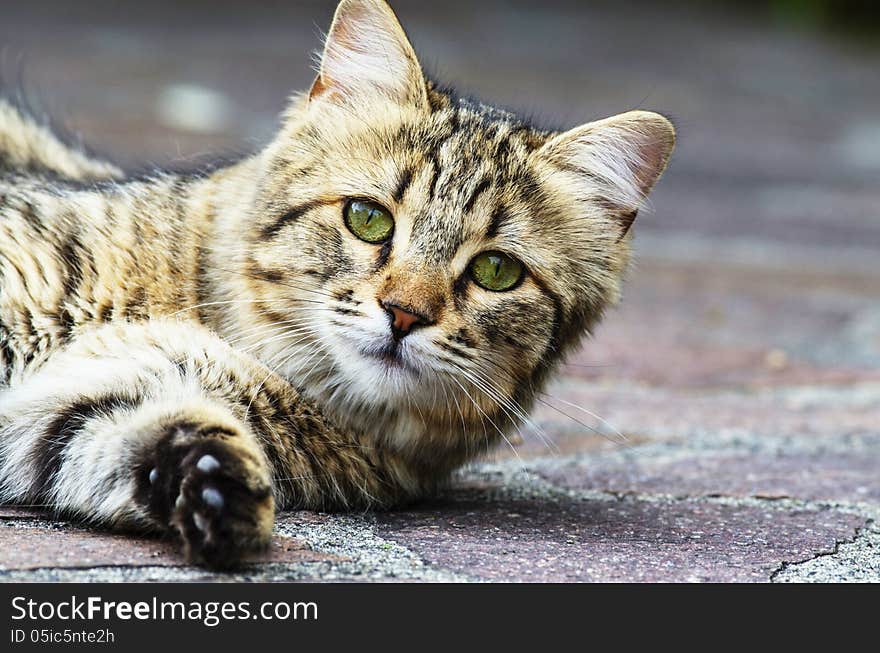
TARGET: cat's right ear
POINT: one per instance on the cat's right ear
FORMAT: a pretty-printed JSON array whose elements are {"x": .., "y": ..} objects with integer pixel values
[
  {"x": 366, "y": 57},
  {"x": 615, "y": 161}
]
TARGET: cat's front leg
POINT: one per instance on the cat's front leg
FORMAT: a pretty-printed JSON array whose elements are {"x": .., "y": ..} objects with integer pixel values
[{"x": 118, "y": 434}]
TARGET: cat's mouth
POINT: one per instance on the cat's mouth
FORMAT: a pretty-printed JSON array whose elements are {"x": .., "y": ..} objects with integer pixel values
[{"x": 389, "y": 356}]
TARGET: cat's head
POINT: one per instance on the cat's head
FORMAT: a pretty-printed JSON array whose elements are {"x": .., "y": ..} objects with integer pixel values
[{"x": 429, "y": 255}]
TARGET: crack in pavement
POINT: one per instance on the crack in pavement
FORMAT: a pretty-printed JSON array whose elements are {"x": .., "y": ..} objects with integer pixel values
[
  {"x": 821, "y": 554},
  {"x": 854, "y": 560}
]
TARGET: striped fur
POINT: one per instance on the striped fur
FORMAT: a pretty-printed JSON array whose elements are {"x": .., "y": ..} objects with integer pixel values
[{"x": 189, "y": 353}]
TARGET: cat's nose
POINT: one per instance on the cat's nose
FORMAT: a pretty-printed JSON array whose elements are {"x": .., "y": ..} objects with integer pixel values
[{"x": 403, "y": 320}]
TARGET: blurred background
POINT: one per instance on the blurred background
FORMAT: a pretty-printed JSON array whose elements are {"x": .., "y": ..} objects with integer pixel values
[{"x": 754, "y": 305}]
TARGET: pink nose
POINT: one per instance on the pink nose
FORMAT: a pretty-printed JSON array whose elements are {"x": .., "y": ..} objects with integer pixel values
[{"x": 402, "y": 320}]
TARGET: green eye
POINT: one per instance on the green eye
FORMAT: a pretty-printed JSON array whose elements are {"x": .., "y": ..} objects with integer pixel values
[
  {"x": 369, "y": 221},
  {"x": 496, "y": 271}
]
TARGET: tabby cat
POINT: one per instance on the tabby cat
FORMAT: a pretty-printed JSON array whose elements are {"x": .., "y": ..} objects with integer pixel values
[{"x": 336, "y": 322}]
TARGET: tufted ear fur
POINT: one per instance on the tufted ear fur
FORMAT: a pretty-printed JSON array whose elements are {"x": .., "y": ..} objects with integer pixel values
[
  {"x": 616, "y": 160},
  {"x": 367, "y": 55}
]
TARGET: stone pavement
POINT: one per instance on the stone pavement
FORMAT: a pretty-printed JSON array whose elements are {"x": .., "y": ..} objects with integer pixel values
[{"x": 738, "y": 384}]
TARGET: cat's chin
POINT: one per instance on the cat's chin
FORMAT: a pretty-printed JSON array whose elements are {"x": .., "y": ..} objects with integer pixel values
[
  {"x": 381, "y": 374},
  {"x": 389, "y": 368},
  {"x": 389, "y": 359}
]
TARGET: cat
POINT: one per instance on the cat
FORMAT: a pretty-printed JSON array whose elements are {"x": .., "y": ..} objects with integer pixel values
[{"x": 336, "y": 322}]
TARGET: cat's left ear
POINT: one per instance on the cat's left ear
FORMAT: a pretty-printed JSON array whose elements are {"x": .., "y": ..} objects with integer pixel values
[
  {"x": 367, "y": 56},
  {"x": 615, "y": 161}
]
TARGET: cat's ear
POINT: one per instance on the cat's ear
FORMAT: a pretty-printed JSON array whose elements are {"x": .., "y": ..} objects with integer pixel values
[
  {"x": 367, "y": 56},
  {"x": 615, "y": 161}
]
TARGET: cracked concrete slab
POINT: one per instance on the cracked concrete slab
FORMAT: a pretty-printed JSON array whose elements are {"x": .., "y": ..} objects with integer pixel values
[
  {"x": 633, "y": 542},
  {"x": 855, "y": 560}
]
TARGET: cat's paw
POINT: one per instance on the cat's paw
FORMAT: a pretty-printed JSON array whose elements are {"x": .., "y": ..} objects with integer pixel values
[
  {"x": 214, "y": 492},
  {"x": 223, "y": 510}
]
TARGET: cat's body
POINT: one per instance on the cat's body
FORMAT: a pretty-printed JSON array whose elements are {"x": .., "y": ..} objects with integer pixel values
[{"x": 190, "y": 353}]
